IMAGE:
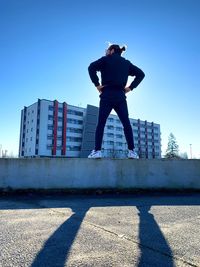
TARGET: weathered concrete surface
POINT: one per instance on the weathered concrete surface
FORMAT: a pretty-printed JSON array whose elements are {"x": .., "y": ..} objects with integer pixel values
[
  {"x": 55, "y": 173},
  {"x": 107, "y": 230}
]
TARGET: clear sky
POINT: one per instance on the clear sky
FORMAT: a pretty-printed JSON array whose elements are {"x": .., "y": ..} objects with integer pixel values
[{"x": 47, "y": 45}]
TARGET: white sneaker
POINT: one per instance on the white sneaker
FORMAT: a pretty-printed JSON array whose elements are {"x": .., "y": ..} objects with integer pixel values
[
  {"x": 132, "y": 154},
  {"x": 95, "y": 154}
]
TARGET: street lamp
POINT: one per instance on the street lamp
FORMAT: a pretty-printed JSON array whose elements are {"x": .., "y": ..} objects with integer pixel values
[{"x": 191, "y": 151}]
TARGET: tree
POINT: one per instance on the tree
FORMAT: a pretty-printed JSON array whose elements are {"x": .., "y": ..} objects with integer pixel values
[{"x": 172, "y": 147}]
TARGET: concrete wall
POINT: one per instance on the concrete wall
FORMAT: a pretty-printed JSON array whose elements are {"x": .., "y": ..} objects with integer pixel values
[{"x": 63, "y": 173}]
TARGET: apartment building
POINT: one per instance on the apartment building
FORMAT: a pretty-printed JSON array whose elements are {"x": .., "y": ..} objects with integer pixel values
[{"x": 53, "y": 129}]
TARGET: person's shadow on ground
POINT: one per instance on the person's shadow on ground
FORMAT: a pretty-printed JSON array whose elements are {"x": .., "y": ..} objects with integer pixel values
[
  {"x": 56, "y": 249},
  {"x": 149, "y": 231}
]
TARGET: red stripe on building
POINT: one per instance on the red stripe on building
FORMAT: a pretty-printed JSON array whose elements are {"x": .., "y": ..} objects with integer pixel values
[
  {"x": 55, "y": 128},
  {"x": 64, "y": 127}
]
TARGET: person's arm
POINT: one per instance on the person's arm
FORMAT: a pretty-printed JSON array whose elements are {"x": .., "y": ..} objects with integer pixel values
[
  {"x": 139, "y": 76},
  {"x": 93, "y": 68}
]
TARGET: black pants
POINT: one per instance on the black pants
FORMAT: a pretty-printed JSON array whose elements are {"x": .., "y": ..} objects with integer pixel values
[{"x": 120, "y": 107}]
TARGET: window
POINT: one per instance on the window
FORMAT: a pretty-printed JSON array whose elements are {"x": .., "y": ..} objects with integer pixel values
[
  {"x": 110, "y": 134},
  {"x": 51, "y": 108},
  {"x": 119, "y": 129},
  {"x": 50, "y": 127},
  {"x": 118, "y": 143},
  {"x": 78, "y": 113},
  {"x": 119, "y": 135},
  {"x": 110, "y": 119},
  {"x": 69, "y": 111},
  {"x": 50, "y": 117},
  {"x": 110, "y": 127},
  {"x": 73, "y": 148},
  {"x": 74, "y": 130},
  {"x": 74, "y": 139},
  {"x": 75, "y": 112},
  {"x": 110, "y": 142},
  {"x": 74, "y": 121}
]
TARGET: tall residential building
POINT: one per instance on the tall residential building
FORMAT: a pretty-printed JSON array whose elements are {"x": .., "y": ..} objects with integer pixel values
[{"x": 49, "y": 128}]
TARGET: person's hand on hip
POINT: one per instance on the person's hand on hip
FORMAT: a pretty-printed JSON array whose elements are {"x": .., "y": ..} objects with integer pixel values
[
  {"x": 99, "y": 88},
  {"x": 127, "y": 90}
]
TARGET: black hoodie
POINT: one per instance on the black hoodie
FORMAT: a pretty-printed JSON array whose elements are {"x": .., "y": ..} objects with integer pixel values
[{"x": 115, "y": 71}]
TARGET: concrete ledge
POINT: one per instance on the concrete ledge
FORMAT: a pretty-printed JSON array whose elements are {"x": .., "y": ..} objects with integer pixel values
[{"x": 122, "y": 174}]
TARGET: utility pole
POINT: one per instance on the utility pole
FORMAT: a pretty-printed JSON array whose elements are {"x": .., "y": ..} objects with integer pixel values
[{"x": 191, "y": 151}]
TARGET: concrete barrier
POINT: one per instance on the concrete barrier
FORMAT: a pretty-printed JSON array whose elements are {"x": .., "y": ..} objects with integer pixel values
[{"x": 63, "y": 173}]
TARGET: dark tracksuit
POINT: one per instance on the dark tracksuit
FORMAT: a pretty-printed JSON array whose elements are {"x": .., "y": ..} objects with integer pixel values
[{"x": 114, "y": 75}]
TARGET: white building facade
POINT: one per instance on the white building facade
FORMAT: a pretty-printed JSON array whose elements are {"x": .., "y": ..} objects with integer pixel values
[{"x": 53, "y": 129}]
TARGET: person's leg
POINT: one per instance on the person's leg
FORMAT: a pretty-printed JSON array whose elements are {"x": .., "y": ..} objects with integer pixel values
[
  {"x": 122, "y": 112},
  {"x": 105, "y": 108}
]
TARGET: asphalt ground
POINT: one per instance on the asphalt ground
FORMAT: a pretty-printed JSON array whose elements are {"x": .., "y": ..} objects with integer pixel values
[{"x": 112, "y": 229}]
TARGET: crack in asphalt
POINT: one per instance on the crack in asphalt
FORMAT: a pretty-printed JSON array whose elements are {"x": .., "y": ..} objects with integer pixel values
[
  {"x": 131, "y": 240},
  {"x": 121, "y": 236},
  {"x": 141, "y": 245}
]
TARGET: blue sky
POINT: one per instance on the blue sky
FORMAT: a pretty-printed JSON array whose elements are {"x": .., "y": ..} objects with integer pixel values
[{"x": 46, "y": 47}]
